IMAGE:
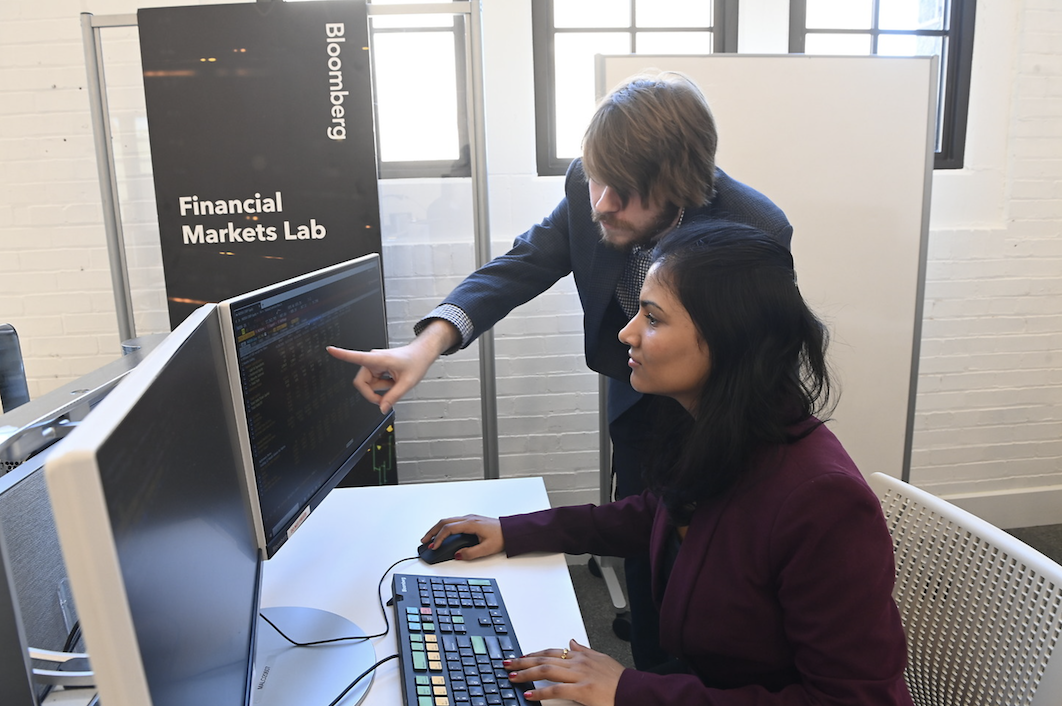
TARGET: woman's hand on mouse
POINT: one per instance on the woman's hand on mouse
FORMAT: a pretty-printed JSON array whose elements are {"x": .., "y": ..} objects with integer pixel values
[
  {"x": 577, "y": 673},
  {"x": 488, "y": 529}
]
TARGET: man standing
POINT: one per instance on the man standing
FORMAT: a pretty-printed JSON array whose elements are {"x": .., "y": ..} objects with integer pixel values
[{"x": 648, "y": 166}]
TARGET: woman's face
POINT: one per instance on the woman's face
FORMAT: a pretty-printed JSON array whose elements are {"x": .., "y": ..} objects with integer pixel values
[{"x": 667, "y": 354}]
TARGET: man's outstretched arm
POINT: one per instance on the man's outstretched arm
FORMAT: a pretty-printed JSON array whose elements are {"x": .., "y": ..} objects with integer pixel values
[{"x": 387, "y": 374}]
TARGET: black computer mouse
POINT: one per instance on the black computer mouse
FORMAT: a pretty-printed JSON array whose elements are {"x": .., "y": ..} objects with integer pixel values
[{"x": 447, "y": 548}]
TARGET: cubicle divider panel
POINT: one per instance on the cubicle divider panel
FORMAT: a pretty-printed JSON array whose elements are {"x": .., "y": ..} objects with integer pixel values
[{"x": 844, "y": 145}]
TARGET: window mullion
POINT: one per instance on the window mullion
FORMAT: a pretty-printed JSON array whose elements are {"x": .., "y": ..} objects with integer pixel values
[
  {"x": 798, "y": 23},
  {"x": 725, "y": 26}
]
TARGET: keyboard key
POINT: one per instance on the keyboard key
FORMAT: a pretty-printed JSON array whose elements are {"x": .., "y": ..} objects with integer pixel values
[{"x": 493, "y": 647}]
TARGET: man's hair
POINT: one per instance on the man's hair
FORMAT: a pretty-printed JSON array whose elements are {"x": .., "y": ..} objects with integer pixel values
[
  {"x": 768, "y": 377},
  {"x": 654, "y": 136}
]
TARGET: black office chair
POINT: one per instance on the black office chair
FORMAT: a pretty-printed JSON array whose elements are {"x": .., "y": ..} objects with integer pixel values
[{"x": 13, "y": 389}]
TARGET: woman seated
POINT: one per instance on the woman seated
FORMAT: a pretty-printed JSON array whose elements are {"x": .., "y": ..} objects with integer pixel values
[{"x": 773, "y": 568}]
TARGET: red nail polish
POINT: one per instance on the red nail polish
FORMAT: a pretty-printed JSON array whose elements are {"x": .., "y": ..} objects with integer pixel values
[
  {"x": 506, "y": 662},
  {"x": 513, "y": 675},
  {"x": 458, "y": 556}
]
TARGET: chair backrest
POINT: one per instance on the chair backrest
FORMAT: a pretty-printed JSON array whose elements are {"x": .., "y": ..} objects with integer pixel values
[{"x": 982, "y": 610}]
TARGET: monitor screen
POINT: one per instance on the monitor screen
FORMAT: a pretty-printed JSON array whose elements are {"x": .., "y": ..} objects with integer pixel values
[
  {"x": 303, "y": 425},
  {"x": 155, "y": 528}
]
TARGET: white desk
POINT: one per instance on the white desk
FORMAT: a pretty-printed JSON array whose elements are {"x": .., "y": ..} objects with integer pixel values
[{"x": 335, "y": 560}]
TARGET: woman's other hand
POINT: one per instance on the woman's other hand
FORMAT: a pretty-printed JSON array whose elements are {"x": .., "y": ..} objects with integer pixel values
[{"x": 579, "y": 674}]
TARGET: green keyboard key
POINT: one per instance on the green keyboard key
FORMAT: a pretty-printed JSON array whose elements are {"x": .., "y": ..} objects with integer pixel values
[{"x": 420, "y": 661}]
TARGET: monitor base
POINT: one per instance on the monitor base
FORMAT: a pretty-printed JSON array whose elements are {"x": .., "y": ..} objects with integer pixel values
[{"x": 286, "y": 674}]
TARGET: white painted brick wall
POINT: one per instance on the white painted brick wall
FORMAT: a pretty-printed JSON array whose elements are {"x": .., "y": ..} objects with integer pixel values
[{"x": 989, "y": 412}]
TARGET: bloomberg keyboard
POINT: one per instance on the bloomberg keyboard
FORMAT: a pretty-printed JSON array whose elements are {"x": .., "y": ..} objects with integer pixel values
[{"x": 453, "y": 634}]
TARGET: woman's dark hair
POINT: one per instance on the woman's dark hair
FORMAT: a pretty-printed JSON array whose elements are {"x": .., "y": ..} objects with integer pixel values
[{"x": 767, "y": 350}]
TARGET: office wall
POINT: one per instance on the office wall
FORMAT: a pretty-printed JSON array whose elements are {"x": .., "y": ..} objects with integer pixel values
[
  {"x": 989, "y": 409},
  {"x": 989, "y": 412}
]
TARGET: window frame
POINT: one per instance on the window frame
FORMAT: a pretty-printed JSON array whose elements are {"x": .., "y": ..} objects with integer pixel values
[
  {"x": 954, "y": 89},
  {"x": 410, "y": 169},
  {"x": 724, "y": 39}
]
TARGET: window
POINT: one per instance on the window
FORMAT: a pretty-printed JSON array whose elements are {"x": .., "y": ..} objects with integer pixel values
[
  {"x": 899, "y": 28},
  {"x": 419, "y": 61},
  {"x": 569, "y": 33}
]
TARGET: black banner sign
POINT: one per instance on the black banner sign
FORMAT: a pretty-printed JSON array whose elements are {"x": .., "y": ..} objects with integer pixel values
[{"x": 262, "y": 145}]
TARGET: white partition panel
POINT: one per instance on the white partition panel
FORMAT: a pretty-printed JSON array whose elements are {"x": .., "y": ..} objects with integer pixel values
[{"x": 844, "y": 146}]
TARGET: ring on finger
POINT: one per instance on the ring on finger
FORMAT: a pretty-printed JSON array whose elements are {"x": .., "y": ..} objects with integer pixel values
[{"x": 564, "y": 654}]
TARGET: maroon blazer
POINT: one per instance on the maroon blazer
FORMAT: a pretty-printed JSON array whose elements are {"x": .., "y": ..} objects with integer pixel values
[{"x": 781, "y": 592}]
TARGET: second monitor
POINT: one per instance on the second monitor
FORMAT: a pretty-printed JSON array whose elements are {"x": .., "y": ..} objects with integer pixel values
[{"x": 302, "y": 424}]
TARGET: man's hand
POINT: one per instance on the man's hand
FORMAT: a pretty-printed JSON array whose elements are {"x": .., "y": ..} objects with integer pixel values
[{"x": 386, "y": 375}]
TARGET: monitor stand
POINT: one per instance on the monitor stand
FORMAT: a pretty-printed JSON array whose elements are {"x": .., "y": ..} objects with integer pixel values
[{"x": 286, "y": 674}]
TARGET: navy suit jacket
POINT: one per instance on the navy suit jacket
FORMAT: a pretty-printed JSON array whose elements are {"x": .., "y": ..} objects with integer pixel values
[
  {"x": 780, "y": 594},
  {"x": 569, "y": 241}
]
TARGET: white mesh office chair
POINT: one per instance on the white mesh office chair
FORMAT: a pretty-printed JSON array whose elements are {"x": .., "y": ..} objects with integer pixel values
[{"x": 982, "y": 610}]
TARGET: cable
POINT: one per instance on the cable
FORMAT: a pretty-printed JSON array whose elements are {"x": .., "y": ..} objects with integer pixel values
[
  {"x": 362, "y": 675},
  {"x": 72, "y": 638},
  {"x": 383, "y": 610}
]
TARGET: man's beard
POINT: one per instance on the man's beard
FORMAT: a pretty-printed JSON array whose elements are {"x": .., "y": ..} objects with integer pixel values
[{"x": 643, "y": 236}]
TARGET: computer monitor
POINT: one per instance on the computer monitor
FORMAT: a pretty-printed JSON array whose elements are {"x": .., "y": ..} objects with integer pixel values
[
  {"x": 302, "y": 424},
  {"x": 156, "y": 530}
]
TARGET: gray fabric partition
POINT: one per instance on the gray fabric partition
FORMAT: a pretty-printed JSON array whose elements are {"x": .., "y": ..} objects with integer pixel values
[
  {"x": 16, "y": 687},
  {"x": 34, "y": 558}
]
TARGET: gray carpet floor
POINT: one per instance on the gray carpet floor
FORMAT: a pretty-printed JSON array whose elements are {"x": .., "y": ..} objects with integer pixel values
[{"x": 598, "y": 614}]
